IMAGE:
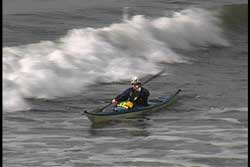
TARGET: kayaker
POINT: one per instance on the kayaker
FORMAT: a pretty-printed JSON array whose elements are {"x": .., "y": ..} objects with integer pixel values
[{"x": 136, "y": 94}]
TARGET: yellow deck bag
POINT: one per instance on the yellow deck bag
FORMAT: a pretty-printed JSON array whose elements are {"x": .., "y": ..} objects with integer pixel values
[{"x": 126, "y": 104}]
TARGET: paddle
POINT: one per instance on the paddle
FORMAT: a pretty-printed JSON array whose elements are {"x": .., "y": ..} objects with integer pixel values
[
  {"x": 143, "y": 83},
  {"x": 153, "y": 77}
]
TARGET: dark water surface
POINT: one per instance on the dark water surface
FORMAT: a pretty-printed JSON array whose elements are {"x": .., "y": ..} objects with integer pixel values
[{"x": 206, "y": 127}]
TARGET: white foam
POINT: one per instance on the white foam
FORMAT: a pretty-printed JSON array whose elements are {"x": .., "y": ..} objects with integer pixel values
[
  {"x": 85, "y": 56},
  {"x": 222, "y": 110},
  {"x": 189, "y": 28}
]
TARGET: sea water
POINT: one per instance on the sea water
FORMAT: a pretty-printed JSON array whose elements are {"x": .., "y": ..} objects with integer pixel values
[{"x": 61, "y": 57}]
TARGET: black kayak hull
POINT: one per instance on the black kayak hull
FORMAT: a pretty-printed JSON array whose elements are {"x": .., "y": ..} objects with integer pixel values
[{"x": 110, "y": 114}]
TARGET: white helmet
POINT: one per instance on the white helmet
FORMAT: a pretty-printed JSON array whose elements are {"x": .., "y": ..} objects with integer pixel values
[{"x": 135, "y": 80}]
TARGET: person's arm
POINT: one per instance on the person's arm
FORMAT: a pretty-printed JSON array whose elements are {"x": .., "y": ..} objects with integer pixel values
[
  {"x": 145, "y": 95},
  {"x": 122, "y": 97},
  {"x": 146, "y": 92}
]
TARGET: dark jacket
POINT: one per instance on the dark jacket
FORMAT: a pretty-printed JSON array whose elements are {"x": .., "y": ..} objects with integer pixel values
[{"x": 138, "y": 98}]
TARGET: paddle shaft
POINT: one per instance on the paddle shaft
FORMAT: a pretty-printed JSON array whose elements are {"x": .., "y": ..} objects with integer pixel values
[{"x": 153, "y": 77}]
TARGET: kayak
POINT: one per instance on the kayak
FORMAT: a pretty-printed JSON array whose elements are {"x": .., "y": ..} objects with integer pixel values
[{"x": 115, "y": 113}]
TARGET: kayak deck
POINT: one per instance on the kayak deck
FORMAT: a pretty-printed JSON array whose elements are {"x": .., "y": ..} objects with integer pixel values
[{"x": 115, "y": 113}]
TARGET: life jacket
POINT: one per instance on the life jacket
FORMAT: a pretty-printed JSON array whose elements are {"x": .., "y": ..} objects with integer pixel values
[
  {"x": 126, "y": 104},
  {"x": 134, "y": 95}
]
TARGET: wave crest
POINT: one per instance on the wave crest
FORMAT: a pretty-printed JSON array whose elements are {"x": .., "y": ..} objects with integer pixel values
[{"x": 117, "y": 52}]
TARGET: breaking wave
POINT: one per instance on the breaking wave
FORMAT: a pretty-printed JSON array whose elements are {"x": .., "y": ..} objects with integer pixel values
[{"x": 90, "y": 55}]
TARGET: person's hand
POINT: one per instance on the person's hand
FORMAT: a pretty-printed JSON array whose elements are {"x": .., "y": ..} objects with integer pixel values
[{"x": 114, "y": 102}]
